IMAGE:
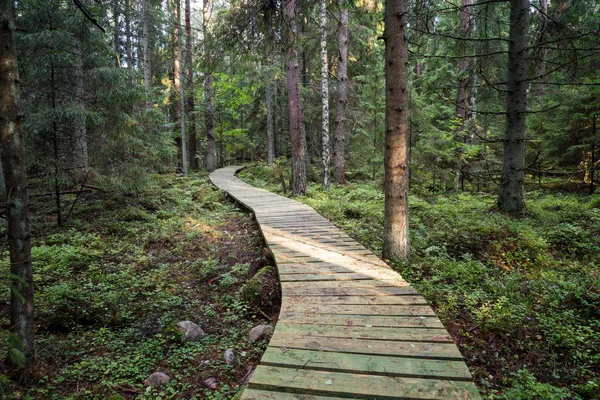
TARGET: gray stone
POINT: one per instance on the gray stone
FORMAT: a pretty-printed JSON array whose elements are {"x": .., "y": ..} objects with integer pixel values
[
  {"x": 157, "y": 379},
  {"x": 260, "y": 332},
  {"x": 193, "y": 334},
  {"x": 230, "y": 356},
  {"x": 191, "y": 331},
  {"x": 212, "y": 383}
]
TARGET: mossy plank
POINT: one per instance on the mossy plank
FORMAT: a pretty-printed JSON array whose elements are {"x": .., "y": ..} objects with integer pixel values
[
  {"x": 326, "y": 383},
  {"x": 344, "y": 309},
  {"x": 356, "y": 300},
  {"x": 340, "y": 291},
  {"x": 361, "y": 320},
  {"x": 253, "y": 394}
]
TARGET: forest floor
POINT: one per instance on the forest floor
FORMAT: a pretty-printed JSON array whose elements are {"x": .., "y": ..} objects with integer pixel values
[
  {"x": 520, "y": 294},
  {"x": 113, "y": 281}
]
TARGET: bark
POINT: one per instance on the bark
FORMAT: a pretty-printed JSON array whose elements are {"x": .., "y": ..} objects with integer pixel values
[
  {"x": 325, "y": 95},
  {"x": 209, "y": 113},
  {"x": 117, "y": 33},
  {"x": 128, "y": 49},
  {"x": 466, "y": 26},
  {"x": 80, "y": 140},
  {"x": 190, "y": 85},
  {"x": 541, "y": 89},
  {"x": 295, "y": 109},
  {"x": 147, "y": 59},
  {"x": 2, "y": 185},
  {"x": 342, "y": 97},
  {"x": 395, "y": 235},
  {"x": 179, "y": 96},
  {"x": 270, "y": 123},
  {"x": 510, "y": 196},
  {"x": 15, "y": 176}
]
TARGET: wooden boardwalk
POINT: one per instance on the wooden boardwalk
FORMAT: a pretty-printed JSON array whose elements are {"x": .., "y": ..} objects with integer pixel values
[{"x": 350, "y": 327}]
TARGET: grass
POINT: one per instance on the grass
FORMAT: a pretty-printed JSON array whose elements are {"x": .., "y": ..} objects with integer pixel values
[
  {"x": 111, "y": 284},
  {"x": 520, "y": 295}
]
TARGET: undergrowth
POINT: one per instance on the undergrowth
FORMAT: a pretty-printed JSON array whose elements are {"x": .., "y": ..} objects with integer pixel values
[
  {"x": 520, "y": 295},
  {"x": 112, "y": 283}
]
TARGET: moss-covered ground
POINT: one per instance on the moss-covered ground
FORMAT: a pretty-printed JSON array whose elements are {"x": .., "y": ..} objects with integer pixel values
[
  {"x": 519, "y": 293},
  {"x": 112, "y": 282}
]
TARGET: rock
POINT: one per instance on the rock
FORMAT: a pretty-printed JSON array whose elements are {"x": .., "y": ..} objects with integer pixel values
[
  {"x": 191, "y": 331},
  {"x": 212, "y": 383},
  {"x": 230, "y": 356},
  {"x": 254, "y": 288},
  {"x": 260, "y": 332},
  {"x": 157, "y": 379}
]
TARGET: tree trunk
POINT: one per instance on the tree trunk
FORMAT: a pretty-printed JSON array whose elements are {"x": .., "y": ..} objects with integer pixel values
[
  {"x": 325, "y": 95},
  {"x": 270, "y": 123},
  {"x": 342, "y": 96},
  {"x": 395, "y": 234},
  {"x": 209, "y": 113},
  {"x": 179, "y": 96},
  {"x": 510, "y": 196},
  {"x": 15, "y": 176},
  {"x": 295, "y": 109},
  {"x": 117, "y": 33},
  {"x": 128, "y": 49},
  {"x": 466, "y": 26},
  {"x": 541, "y": 89},
  {"x": 80, "y": 140},
  {"x": 147, "y": 55},
  {"x": 190, "y": 85}
]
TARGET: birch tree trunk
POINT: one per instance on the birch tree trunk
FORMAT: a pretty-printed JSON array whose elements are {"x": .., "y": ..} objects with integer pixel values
[
  {"x": 209, "y": 113},
  {"x": 325, "y": 95},
  {"x": 395, "y": 233},
  {"x": 510, "y": 196},
  {"x": 15, "y": 176},
  {"x": 190, "y": 85},
  {"x": 342, "y": 96},
  {"x": 295, "y": 109},
  {"x": 147, "y": 55}
]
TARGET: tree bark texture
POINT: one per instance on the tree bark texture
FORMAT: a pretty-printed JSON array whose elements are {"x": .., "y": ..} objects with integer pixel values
[
  {"x": 15, "y": 176},
  {"x": 180, "y": 100},
  {"x": 270, "y": 123},
  {"x": 117, "y": 33},
  {"x": 80, "y": 139},
  {"x": 209, "y": 112},
  {"x": 395, "y": 235},
  {"x": 510, "y": 196},
  {"x": 326, "y": 156},
  {"x": 147, "y": 55},
  {"x": 295, "y": 109},
  {"x": 190, "y": 85},
  {"x": 342, "y": 97},
  {"x": 128, "y": 49}
]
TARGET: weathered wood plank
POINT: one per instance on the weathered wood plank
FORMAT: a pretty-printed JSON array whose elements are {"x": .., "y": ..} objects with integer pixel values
[
  {"x": 327, "y": 383},
  {"x": 366, "y": 364},
  {"x": 364, "y": 291},
  {"x": 253, "y": 394},
  {"x": 362, "y": 320},
  {"x": 405, "y": 300}
]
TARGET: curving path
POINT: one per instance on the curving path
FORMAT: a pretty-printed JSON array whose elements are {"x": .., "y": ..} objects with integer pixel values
[{"x": 350, "y": 327}]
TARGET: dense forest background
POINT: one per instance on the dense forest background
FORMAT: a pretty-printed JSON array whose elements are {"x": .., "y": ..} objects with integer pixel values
[{"x": 118, "y": 96}]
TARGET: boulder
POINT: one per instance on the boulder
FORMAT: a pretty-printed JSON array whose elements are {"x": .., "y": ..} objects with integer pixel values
[
  {"x": 230, "y": 356},
  {"x": 157, "y": 379},
  {"x": 260, "y": 332},
  {"x": 191, "y": 331}
]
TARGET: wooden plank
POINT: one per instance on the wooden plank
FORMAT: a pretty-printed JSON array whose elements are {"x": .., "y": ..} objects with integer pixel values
[
  {"x": 394, "y": 282},
  {"x": 330, "y": 268},
  {"x": 362, "y": 320},
  {"x": 356, "y": 300},
  {"x": 361, "y": 332},
  {"x": 374, "y": 291},
  {"x": 342, "y": 309},
  {"x": 325, "y": 383},
  {"x": 365, "y": 364},
  {"x": 253, "y": 394},
  {"x": 309, "y": 277}
]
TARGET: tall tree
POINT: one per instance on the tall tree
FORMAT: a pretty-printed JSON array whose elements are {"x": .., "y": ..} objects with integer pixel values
[
  {"x": 209, "y": 112},
  {"x": 80, "y": 139},
  {"x": 15, "y": 176},
  {"x": 395, "y": 233},
  {"x": 270, "y": 121},
  {"x": 342, "y": 96},
  {"x": 178, "y": 73},
  {"x": 326, "y": 156},
  {"x": 510, "y": 196},
  {"x": 295, "y": 109},
  {"x": 147, "y": 54},
  {"x": 128, "y": 46},
  {"x": 117, "y": 33},
  {"x": 190, "y": 85}
]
